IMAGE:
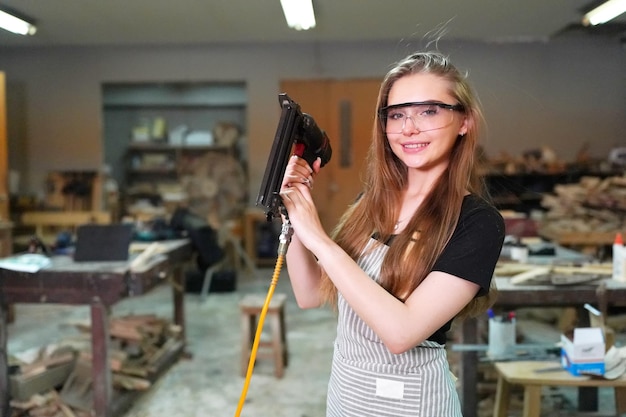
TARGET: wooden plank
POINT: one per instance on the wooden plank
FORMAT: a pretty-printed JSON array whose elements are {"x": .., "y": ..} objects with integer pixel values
[
  {"x": 65, "y": 218},
  {"x": 580, "y": 238},
  {"x": 530, "y": 274}
]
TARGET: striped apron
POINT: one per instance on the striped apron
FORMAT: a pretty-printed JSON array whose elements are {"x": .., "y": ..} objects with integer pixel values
[{"x": 369, "y": 381}]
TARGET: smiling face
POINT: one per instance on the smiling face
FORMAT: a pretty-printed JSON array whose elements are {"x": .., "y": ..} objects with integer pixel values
[{"x": 424, "y": 150}]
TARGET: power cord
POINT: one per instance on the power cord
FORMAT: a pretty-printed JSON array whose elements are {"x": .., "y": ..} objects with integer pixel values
[{"x": 284, "y": 240}]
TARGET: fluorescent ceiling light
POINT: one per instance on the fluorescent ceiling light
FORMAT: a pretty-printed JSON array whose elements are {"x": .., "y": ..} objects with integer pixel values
[
  {"x": 15, "y": 24},
  {"x": 299, "y": 14},
  {"x": 605, "y": 12}
]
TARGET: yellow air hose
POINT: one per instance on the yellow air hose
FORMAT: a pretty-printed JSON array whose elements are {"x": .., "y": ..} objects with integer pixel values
[{"x": 285, "y": 239}]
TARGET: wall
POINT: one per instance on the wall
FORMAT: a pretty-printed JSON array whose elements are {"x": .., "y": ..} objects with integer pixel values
[{"x": 563, "y": 93}]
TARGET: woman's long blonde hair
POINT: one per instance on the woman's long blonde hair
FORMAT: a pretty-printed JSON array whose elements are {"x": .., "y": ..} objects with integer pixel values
[{"x": 377, "y": 209}]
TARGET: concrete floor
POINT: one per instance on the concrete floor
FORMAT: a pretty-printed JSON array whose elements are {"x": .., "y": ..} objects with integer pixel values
[{"x": 209, "y": 382}]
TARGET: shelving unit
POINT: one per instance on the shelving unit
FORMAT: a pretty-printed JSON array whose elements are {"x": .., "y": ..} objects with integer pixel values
[
  {"x": 162, "y": 160},
  {"x": 523, "y": 192},
  {"x": 149, "y": 127},
  {"x": 171, "y": 156},
  {"x": 151, "y": 166}
]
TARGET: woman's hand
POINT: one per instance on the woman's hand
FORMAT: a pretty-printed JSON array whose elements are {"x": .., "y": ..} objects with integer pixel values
[
  {"x": 296, "y": 195},
  {"x": 299, "y": 171}
]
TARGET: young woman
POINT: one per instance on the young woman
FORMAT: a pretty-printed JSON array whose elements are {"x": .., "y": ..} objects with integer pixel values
[{"x": 416, "y": 249}]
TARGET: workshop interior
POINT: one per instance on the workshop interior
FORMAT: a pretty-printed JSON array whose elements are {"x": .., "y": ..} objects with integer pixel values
[{"x": 143, "y": 236}]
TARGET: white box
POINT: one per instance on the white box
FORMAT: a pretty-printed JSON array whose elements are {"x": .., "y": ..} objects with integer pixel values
[
  {"x": 199, "y": 138},
  {"x": 585, "y": 353}
]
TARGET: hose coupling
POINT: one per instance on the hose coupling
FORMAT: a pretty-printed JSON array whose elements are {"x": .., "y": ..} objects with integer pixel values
[{"x": 285, "y": 237}]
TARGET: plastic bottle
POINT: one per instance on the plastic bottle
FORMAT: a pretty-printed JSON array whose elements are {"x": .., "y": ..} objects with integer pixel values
[{"x": 619, "y": 258}]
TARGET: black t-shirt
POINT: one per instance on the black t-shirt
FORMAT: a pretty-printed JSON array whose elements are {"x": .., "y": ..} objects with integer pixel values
[{"x": 473, "y": 249}]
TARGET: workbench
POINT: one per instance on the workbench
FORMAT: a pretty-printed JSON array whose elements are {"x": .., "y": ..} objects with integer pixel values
[
  {"x": 99, "y": 285},
  {"x": 604, "y": 292}
]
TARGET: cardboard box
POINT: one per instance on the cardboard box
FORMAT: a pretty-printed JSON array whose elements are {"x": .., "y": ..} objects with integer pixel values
[{"x": 585, "y": 353}]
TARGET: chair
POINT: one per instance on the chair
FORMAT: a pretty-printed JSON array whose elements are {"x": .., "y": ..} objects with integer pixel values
[
  {"x": 210, "y": 255},
  {"x": 230, "y": 235}
]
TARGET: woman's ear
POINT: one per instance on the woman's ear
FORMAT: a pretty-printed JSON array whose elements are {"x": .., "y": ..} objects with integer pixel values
[{"x": 465, "y": 126}]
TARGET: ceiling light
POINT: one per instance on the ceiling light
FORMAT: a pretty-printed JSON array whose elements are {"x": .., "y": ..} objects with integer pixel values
[
  {"x": 299, "y": 14},
  {"x": 605, "y": 12},
  {"x": 16, "y": 24}
]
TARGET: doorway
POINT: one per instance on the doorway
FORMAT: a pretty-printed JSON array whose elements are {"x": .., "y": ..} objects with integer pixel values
[{"x": 345, "y": 110}]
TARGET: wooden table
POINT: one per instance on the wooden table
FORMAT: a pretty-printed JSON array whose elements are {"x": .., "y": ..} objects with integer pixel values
[
  {"x": 99, "y": 285},
  {"x": 604, "y": 292},
  {"x": 534, "y": 375}
]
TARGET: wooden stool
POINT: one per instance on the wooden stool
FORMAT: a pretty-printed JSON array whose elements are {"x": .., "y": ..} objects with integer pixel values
[
  {"x": 251, "y": 307},
  {"x": 525, "y": 373}
]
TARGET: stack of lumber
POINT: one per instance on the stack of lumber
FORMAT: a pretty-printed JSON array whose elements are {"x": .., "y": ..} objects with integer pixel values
[
  {"x": 593, "y": 205},
  {"x": 522, "y": 273},
  {"x": 139, "y": 345}
]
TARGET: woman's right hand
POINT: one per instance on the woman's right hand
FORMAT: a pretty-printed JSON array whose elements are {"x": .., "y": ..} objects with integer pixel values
[
  {"x": 297, "y": 199},
  {"x": 299, "y": 171}
]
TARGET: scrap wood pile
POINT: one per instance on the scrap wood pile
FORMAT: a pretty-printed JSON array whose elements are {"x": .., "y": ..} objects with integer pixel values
[
  {"x": 591, "y": 205},
  {"x": 56, "y": 381}
]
